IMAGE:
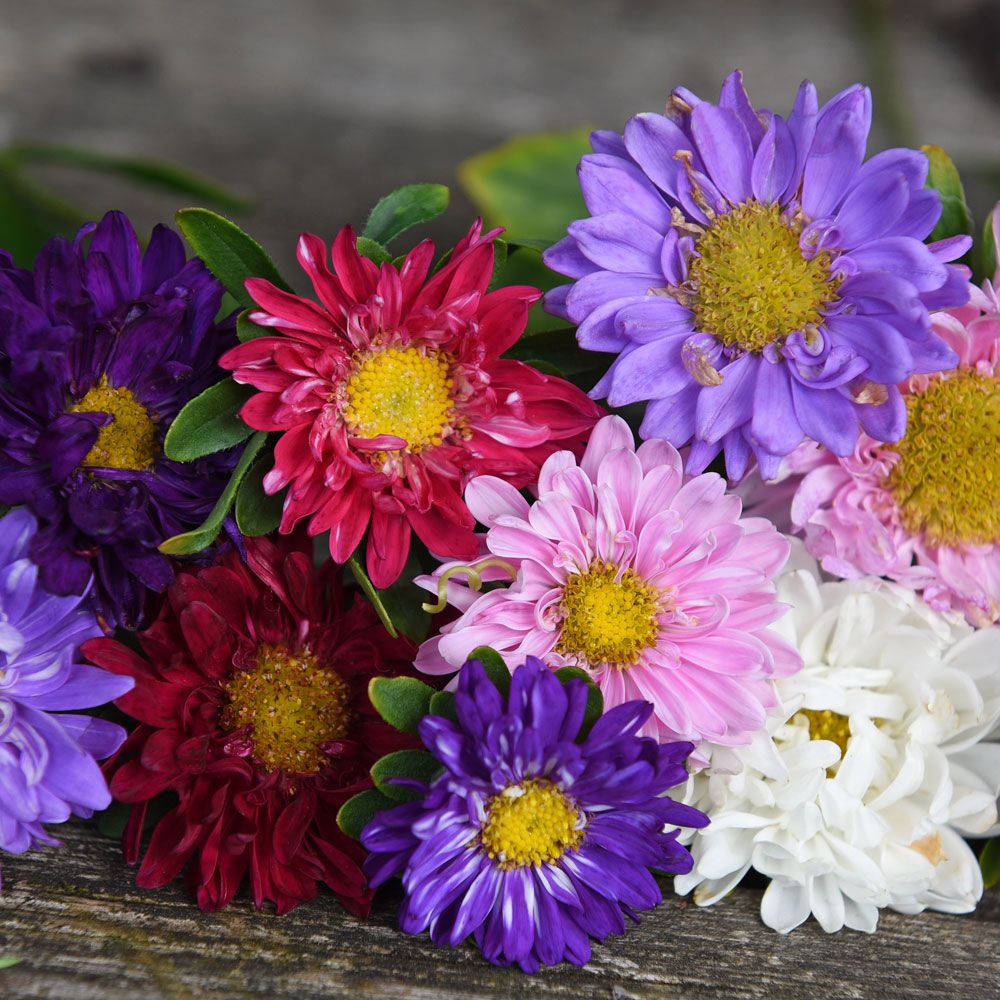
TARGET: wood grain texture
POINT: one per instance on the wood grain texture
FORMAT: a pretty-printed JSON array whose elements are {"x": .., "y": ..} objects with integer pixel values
[{"x": 85, "y": 932}]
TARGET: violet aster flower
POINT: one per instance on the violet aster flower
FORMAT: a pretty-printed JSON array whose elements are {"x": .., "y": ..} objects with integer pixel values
[
  {"x": 99, "y": 350},
  {"x": 757, "y": 279},
  {"x": 48, "y": 768},
  {"x": 530, "y": 840}
]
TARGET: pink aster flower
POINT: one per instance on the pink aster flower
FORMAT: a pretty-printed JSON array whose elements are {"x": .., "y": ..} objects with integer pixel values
[
  {"x": 651, "y": 582},
  {"x": 391, "y": 393},
  {"x": 924, "y": 510}
]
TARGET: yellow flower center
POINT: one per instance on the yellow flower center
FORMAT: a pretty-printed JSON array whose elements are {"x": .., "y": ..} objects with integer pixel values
[
  {"x": 827, "y": 725},
  {"x": 751, "y": 284},
  {"x": 609, "y": 616},
  {"x": 947, "y": 479},
  {"x": 294, "y": 706},
  {"x": 530, "y": 824},
  {"x": 401, "y": 391},
  {"x": 129, "y": 441}
]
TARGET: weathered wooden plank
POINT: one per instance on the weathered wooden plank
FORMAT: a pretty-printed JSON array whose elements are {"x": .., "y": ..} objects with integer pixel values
[{"x": 86, "y": 933}]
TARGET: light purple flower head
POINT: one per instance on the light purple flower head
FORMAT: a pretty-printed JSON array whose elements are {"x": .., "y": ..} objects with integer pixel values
[
  {"x": 758, "y": 280},
  {"x": 535, "y": 836},
  {"x": 48, "y": 755}
]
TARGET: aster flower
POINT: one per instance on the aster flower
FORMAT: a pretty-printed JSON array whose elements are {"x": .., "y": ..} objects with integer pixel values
[
  {"x": 252, "y": 706},
  {"x": 48, "y": 753},
  {"x": 857, "y": 795},
  {"x": 924, "y": 510},
  {"x": 756, "y": 279},
  {"x": 391, "y": 393},
  {"x": 531, "y": 840},
  {"x": 99, "y": 350},
  {"x": 651, "y": 583}
]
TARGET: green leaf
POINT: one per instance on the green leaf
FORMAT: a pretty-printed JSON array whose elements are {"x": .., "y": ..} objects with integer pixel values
[
  {"x": 112, "y": 822},
  {"x": 988, "y": 250},
  {"x": 401, "y": 701},
  {"x": 943, "y": 177},
  {"x": 9, "y": 961},
  {"x": 247, "y": 329},
  {"x": 153, "y": 173},
  {"x": 443, "y": 704},
  {"x": 201, "y": 537},
  {"x": 529, "y": 185},
  {"x": 595, "y": 700},
  {"x": 359, "y": 810},
  {"x": 525, "y": 267},
  {"x": 373, "y": 594},
  {"x": 403, "y": 602},
  {"x": 228, "y": 252},
  {"x": 495, "y": 667},
  {"x": 257, "y": 513},
  {"x": 209, "y": 423},
  {"x": 559, "y": 348},
  {"x": 989, "y": 862},
  {"x": 373, "y": 250},
  {"x": 415, "y": 765},
  {"x": 405, "y": 207}
]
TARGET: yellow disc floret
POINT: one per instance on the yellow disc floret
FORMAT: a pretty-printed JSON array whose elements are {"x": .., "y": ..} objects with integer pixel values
[
  {"x": 609, "y": 616},
  {"x": 129, "y": 441},
  {"x": 402, "y": 391},
  {"x": 750, "y": 283},
  {"x": 530, "y": 824},
  {"x": 825, "y": 724},
  {"x": 947, "y": 479},
  {"x": 294, "y": 705}
]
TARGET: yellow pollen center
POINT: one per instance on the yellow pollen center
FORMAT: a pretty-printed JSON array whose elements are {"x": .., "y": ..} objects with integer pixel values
[
  {"x": 530, "y": 824},
  {"x": 129, "y": 441},
  {"x": 751, "y": 284},
  {"x": 294, "y": 706},
  {"x": 827, "y": 725},
  {"x": 404, "y": 392},
  {"x": 607, "y": 617},
  {"x": 947, "y": 479}
]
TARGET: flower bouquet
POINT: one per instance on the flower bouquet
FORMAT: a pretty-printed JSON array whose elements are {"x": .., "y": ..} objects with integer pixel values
[{"x": 686, "y": 574}]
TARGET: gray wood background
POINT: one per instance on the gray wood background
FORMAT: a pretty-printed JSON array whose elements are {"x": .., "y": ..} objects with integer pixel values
[{"x": 85, "y": 932}]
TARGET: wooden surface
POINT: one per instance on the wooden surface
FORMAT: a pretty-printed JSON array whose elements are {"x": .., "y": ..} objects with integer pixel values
[{"x": 85, "y": 932}]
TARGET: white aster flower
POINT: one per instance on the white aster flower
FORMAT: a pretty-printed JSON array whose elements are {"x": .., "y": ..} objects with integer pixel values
[{"x": 856, "y": 796}]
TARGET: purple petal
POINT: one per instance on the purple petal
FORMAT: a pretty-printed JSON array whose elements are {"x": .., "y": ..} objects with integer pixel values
[
  {"x": 774, "y": 425},
  {"x": 618, "y": 242},
  {"x": 613, "y": 185},
  {"x": 725, "y": 150},
  {"x": 774, "y": 162}
]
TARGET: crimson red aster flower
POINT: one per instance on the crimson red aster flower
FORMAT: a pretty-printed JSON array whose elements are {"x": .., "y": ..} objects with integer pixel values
[
  {"x": 253, "y": 708},
  {"x": 392, "y": 394}
]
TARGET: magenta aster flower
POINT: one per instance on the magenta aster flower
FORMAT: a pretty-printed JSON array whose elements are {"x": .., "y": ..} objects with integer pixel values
[
  {"x": 925, "y": 510},
  {"x": 758, "y": 281},
  {"x": 654, "y": 585}
]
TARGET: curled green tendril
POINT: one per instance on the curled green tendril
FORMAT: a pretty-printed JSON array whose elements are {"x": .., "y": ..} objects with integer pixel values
[{"x": 475, "y": 581}]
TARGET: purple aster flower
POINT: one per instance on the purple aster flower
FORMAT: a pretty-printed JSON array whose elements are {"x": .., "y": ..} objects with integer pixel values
[
  {"x": 759, "y": 281},
  {"x": 99, "y": 350},
  {"x": 531, "y": 840},
  {"x": 48, "y": 758}
]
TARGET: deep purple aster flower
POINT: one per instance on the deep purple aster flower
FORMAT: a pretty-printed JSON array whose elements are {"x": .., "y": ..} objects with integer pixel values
[
  {"x": 757, "y": 279},
  {"x": 48, "y": 768},
  {"x": 99, "y": 350},
  {"x": 528, "y": 840}
]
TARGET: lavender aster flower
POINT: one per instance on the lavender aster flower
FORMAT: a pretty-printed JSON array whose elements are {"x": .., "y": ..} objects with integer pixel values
[
  {"x": 48, "y": 768},
  {"x": 757, "y": 279},
  {"x": 99, "y": 350},
  {"x": 529, "y": 840}
]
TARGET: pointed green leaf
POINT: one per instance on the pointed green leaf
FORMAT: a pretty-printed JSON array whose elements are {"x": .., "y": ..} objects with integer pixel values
[
  {"x": 495, "y": 667},
  {"x": 9, "y": 961},
  {"x": 529, "y": 185},
  {"x": 989, "y": 862},
  {"x": 988, "y": 250},
  {"x": 943, "y": 177},
  {"x": 257, "y": 513},
  {"x": 372, "y": 593},
  {"x": 401, "y": 701},
  {"x": 443, "y": 704},
  {"x": 403, "y": 602},
  {"x": 359, "y": 810},
  {"x": 415, "y": 765},
  {"x": 247, "y": 329},
  {"x": 373, "y": 250},
  {"x": 200, "y": 538},
  {"x": 405, "y": 207},
  {"x": 228, "y": 252},
  {"x": 595, "y": 700},
  {"x": 525, "y": 267},
  {"x": 209, "y": 423}
]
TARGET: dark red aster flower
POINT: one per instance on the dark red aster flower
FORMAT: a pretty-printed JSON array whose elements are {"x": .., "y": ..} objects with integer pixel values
[
  {"x": 392, "y": 394},
  {"x": 253, "y": 708}
]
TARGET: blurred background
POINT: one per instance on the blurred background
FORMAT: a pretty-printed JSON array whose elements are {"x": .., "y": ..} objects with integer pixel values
[{"x": 311, "y": 109}]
